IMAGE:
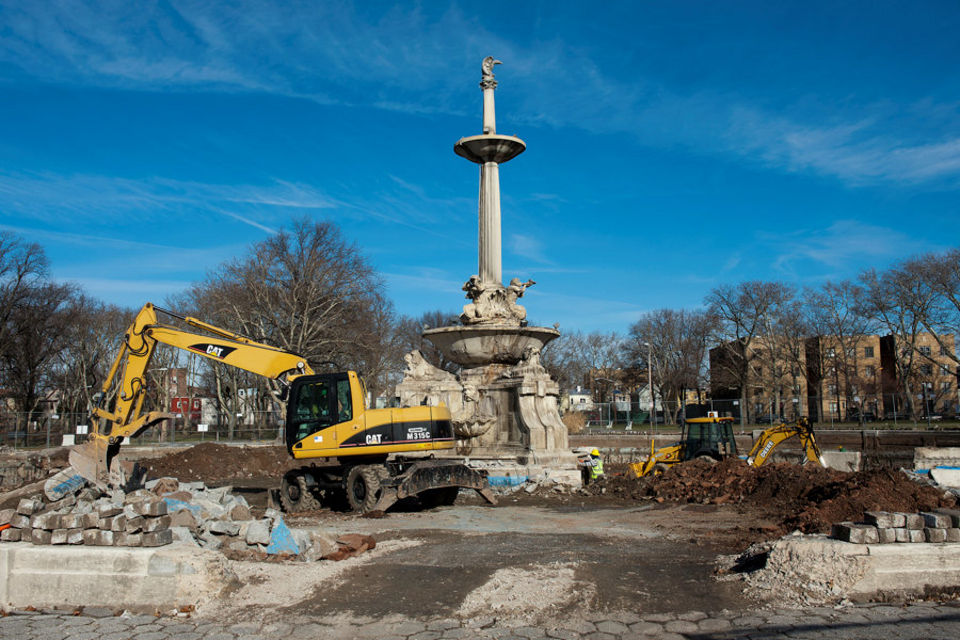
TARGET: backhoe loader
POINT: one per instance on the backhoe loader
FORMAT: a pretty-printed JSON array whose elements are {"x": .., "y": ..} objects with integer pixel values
[
  {"x": 713, "y": 438},
  {"x": 370, "y": 457}
]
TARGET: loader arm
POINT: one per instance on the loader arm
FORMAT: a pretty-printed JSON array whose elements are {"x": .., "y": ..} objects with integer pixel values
[
  {"x": 668, "y": 455},
  {"x": 127, "y": 377},
  {"x": 771, "y": 438}
]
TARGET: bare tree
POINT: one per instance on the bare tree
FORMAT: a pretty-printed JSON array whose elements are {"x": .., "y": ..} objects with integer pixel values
[
  {"x": 410, "y": 336},
  {"x": 39, "y": 325},
  {"x": 749, "y": 318},
  {"x": 939, "y": 275},
  {"x": 93, "y": 336},
  {"x": 678, "y": 342},
  {"x": 22, "y": 265},
  {"x": 562, "y": 358},
  {"x": 306, "y": 290},
  {"x": 602, "y": 356},
  {"x": 896, "y": 299},
  {"x": 839, "y": 329}
]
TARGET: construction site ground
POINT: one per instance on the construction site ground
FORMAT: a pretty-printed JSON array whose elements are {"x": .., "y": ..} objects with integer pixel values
[{"x": 628, "y": 559}]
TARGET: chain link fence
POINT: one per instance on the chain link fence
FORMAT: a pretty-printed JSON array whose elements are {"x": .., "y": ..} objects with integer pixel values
[
  {"x": 20, "y": 431},
  {"x": 887, "y": 411}
]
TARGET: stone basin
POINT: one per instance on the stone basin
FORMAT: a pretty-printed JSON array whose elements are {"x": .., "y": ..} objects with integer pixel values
[{"x": 478, "y": 345}]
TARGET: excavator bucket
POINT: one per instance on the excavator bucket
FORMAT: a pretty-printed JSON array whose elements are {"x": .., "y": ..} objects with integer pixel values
[
  {"x": 95, "y": 461},
  {"x": 90, "y": 460}
]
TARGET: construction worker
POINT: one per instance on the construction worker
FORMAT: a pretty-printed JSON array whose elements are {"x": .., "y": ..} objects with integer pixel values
[{"x": 593, "y": 467}]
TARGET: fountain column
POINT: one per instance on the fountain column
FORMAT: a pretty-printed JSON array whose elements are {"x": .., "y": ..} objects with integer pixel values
[
  {"x": 488, "y": 243},
  {"x": 489, "y": 150}
]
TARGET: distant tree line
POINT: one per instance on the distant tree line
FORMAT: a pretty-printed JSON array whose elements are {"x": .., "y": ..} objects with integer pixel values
[
  {"x": 310, "y": 291},
  {"x": 765, "y": 326}
]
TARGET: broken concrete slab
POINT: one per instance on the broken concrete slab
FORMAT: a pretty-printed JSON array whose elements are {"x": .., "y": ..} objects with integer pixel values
[
  {"x": 842, "y": 460},
  {"x": 223, "y": 527},
  {"x": 929, "y": 457},
  {"x": 834, "y": 569},
  {"x": 258, "y": 532},
  {"x": 946, "y": 476},
  {"x": 116, "y": 577}
]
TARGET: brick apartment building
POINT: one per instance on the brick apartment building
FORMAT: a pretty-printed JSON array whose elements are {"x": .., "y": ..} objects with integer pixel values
[{"x": 828, "y": 377}]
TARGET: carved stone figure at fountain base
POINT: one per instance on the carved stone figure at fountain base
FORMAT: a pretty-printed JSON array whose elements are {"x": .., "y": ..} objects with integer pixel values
[{"x": 499, "y": 411}]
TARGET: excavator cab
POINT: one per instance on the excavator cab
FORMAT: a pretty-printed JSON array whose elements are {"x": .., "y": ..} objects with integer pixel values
[
  {"x": 317, "y": 402},
  {"x": 711, "y": 437}
]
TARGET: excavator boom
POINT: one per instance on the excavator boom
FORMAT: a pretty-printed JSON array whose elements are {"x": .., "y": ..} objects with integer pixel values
[{"x": 122, "y": 417}]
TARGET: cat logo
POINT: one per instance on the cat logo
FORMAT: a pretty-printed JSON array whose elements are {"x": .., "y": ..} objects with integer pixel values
[
  {"x": 374, "y": 438},
  {"x": 213, "y": 350}
]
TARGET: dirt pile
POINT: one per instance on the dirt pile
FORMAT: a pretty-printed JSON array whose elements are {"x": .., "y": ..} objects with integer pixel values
[
  {"x": 214, "y": 463},
  {"x": 807, "y": 498}
]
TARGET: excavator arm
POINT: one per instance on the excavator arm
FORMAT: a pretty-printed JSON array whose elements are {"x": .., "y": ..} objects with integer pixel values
[
  {"x": 125, "y": 385},
  {"x": 771, "y": 438}
]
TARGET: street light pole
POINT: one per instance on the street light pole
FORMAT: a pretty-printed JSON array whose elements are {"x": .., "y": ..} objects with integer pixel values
[{"x": 653, "y": 398}]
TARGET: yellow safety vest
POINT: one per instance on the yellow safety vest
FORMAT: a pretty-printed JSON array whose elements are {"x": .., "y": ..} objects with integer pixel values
[{"x": 596, "y": 468}]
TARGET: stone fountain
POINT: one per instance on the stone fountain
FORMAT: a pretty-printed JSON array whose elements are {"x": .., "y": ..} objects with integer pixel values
[{"x": 503, "y": 402}]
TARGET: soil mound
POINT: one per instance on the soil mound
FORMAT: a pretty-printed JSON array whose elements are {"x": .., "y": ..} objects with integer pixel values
[
  {"x": 215, "y": 463},
  {"x": 805, "y": 497}
]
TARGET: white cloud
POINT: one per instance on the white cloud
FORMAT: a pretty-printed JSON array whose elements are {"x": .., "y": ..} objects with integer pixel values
[
  {"x": 528, "y": 247},
  {"x": 839, "y": 245},
  {"x": 413, "y": 60}
]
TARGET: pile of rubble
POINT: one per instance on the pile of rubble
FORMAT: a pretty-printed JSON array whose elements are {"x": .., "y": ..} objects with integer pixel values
[
  {"x": 136, "y": 521},
  {"x": 880, "y": 527},
  {"x": 167, "y": 511},
  {"x": 806, "y": 498}
]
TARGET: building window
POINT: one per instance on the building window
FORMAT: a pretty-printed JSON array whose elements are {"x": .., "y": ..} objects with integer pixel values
[
  {"x": 924, "y": 350},
  {"x": 832, "y": 389},
  {"x": 868, "y": 352},
  {"x": 926, "y": 369},
  {"x": 944, "y": 351},
  {"x": 946, "y": 386},
  {"x": 834, "y": 408}
]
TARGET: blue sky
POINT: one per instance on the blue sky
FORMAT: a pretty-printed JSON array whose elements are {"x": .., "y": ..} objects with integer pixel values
[{"x": 671, "y": 146}]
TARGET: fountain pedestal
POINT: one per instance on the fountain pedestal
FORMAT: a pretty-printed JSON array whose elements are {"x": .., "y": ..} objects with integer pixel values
[{"x": 505, "y": 406}]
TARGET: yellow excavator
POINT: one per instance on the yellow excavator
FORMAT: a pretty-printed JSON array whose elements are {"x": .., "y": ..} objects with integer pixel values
[
  {"x": 712, "y": 438},
  {"x": 373, "y": 457}
]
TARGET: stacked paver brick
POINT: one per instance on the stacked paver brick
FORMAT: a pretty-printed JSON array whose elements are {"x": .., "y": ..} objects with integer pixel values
[
  {"x": 165, "y": 511},
  {"x": 135, "y": 521},
  {"x": 881, "y": 527}
]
